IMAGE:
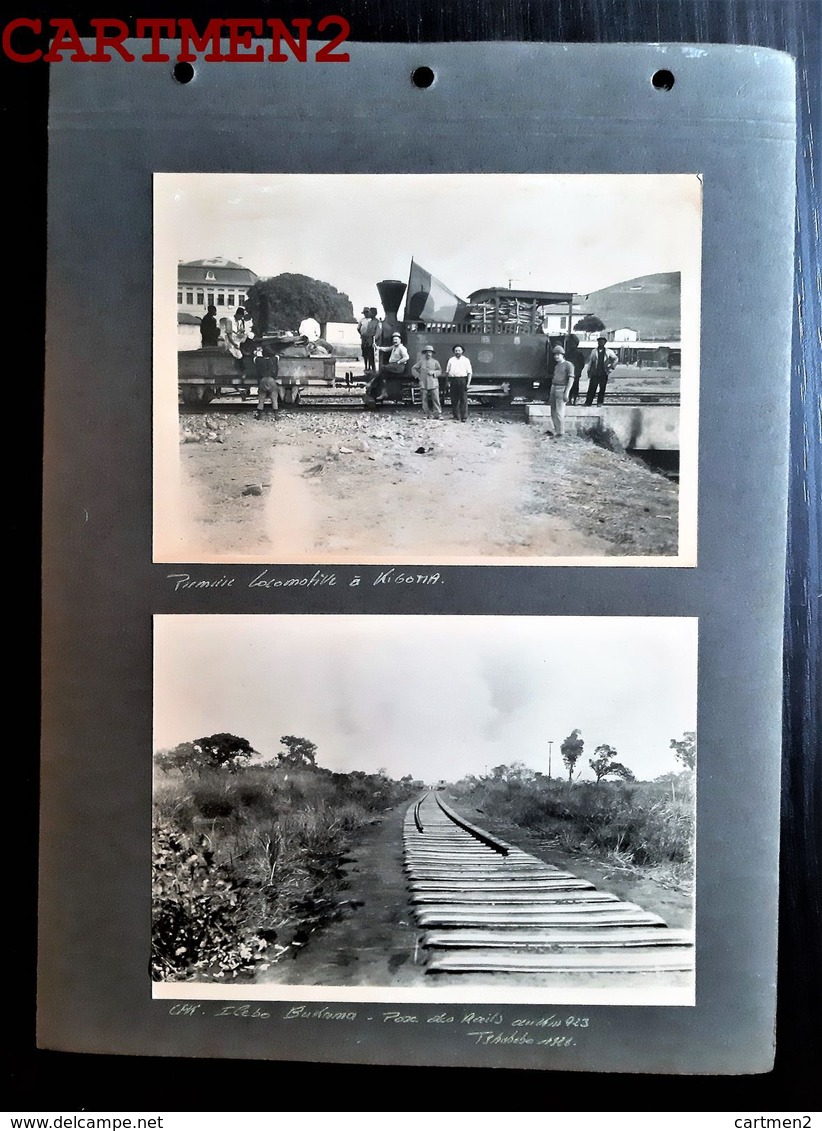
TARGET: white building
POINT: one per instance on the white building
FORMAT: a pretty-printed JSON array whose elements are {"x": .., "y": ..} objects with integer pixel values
[
  {"x": 555, "y": 319},
  {"x": 215, "y": 282},
  {"x": 343, "y": 336},
  {"x": 626, "y": 335}
]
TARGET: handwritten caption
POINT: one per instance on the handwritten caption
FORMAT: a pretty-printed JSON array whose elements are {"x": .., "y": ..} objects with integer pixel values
[
  {"x": 552, "y": 1030},
  {"x": 182, "y": 582}
]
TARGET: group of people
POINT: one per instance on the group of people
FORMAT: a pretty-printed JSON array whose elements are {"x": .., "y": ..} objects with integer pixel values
[
  {"x": 431, "y": 380},
  {"x": 369, "y": 328},
  {"x": 231, "y": 330},
  {"x": 257, "y": 361},
  {"x": 565, "y": 380},
  {"x": 261, "y": 363},
  {"x": 458, "y": 373},
  {"x": 433, "y": 383},
  {"x": 456, "y": 379}
]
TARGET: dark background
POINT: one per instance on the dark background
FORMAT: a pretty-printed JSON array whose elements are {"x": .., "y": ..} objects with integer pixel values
[{"x": 69, "y": 1082}]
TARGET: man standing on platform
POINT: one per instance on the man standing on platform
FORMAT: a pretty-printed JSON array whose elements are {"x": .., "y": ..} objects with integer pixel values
[
  {"x": 560, "y": 389},
  {"x": 601, "y": 364}
]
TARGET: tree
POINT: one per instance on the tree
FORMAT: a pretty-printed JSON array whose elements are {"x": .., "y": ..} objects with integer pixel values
[
  {"x": 589, "y": 323},
  {"x": 604, "y": 763},
  {"x": 216, "y": 752},
  {"x": 281, "y": 303},
  {"x": 298, "y": 751},
  {"x": 513, "y": 773},
  {"x": 571, "y": 749},
  {"x": 685, "y": 749}
]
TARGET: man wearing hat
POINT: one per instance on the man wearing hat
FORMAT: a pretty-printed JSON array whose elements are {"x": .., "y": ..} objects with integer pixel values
[
  {"x": 560, "y": 389},
  {"x": 428, "y": 372},
  {"x": 367, "y": 328},
  {"x": 394, "y": 366},
  {"x": 600, "y": 365},
  {"x": 266, "y": 365}
]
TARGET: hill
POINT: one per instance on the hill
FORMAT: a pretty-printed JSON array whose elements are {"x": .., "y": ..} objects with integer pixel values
[{"x": 651, "y": 305}]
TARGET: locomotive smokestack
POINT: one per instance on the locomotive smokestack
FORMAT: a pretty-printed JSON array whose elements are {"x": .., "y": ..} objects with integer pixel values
[{"x": 391, "y": 292}]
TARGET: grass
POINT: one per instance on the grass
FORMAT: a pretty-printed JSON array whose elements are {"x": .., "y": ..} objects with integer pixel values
[
  {"x": 246, "y": 863},
  {"x": 647, "y": 826}
]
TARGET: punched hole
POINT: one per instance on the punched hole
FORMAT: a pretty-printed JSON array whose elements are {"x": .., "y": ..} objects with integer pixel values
[
  {"x": 183, "y": 72},
  {"x": 663, "y": 80},
  {"x": 422, "y": 77}
]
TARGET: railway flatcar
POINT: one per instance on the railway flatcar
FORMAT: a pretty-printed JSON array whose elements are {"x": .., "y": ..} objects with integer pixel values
[{"x": 204, "y": 374}]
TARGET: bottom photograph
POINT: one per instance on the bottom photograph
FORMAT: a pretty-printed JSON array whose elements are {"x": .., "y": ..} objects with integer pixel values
[{"x": 424, "y": 809}]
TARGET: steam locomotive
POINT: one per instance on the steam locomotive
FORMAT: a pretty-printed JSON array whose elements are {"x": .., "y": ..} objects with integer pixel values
[{"x": 500, "y": 331}]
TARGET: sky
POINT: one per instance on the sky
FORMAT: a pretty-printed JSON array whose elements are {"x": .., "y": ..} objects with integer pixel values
[
  {"x": 434, "y": 697},
  {"x": 542, "y": 232}
]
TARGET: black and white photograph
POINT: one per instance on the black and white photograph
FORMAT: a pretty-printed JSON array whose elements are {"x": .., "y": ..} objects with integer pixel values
[
  {"x": 424, "y": 809},
  {"x": 426, "y": 369}
]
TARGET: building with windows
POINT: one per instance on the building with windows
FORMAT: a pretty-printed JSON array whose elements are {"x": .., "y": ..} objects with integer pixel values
[
  {"x": 211, "y": 282},
  {"x": 555, "y": 319}
]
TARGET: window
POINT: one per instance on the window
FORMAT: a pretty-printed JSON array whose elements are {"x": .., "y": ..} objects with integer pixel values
[
  {"x": 200, "y": 298},
  {"x": 179, "y": 298},
  {"x": 211, "y": 277},
  {"x": 231, "y": 298},
  {"x": 189, "y": 298},
  {"x": 563, "y": 322},
  {"x": 220, "y": 298}
]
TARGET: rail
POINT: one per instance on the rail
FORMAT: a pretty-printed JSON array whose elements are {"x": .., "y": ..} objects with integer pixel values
[
  {"x": 483, "y": 837},
  {"x": 487, "y": 907}
]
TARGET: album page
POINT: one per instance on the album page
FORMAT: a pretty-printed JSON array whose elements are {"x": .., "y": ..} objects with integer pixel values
[{"x": 415, "y": 502}]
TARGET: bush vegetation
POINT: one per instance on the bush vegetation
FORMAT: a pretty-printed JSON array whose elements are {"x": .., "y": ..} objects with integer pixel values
[
  {"x": 645, "y": 824},
  {"x": 247, "y": 859}
]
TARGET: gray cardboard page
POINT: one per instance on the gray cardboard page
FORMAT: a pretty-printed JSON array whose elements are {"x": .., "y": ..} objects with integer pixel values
[{"x": 502, "y": 109}]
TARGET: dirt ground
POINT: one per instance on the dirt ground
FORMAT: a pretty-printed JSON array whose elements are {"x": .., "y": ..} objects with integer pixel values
[
  {"x": 374, "y": 940},
  {"x": 384, "y": 486}
]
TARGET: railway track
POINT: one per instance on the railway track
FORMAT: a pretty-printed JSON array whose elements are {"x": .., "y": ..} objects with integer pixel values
[
  {"x": 233, "y": 406},
  {"x": 339, "y": 401},
  {"x": 484, "y": 906}
]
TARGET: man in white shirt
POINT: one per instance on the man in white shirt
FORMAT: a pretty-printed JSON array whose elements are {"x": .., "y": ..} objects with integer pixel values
[{"x": 459, "y": 377}]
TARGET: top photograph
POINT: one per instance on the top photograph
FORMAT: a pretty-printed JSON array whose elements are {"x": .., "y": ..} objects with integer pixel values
[{"x": 426, "y": 369}]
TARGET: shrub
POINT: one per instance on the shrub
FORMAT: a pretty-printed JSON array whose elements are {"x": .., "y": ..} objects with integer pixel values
[
  {"x": 603, "y": 436},
  {"x": 652, "y": 823},
  {"x": 242, "y": 857},
  {"x": 200, "y": 912}
]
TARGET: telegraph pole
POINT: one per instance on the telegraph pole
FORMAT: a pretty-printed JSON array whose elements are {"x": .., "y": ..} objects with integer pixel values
[{"x": 550, "y": 747}]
